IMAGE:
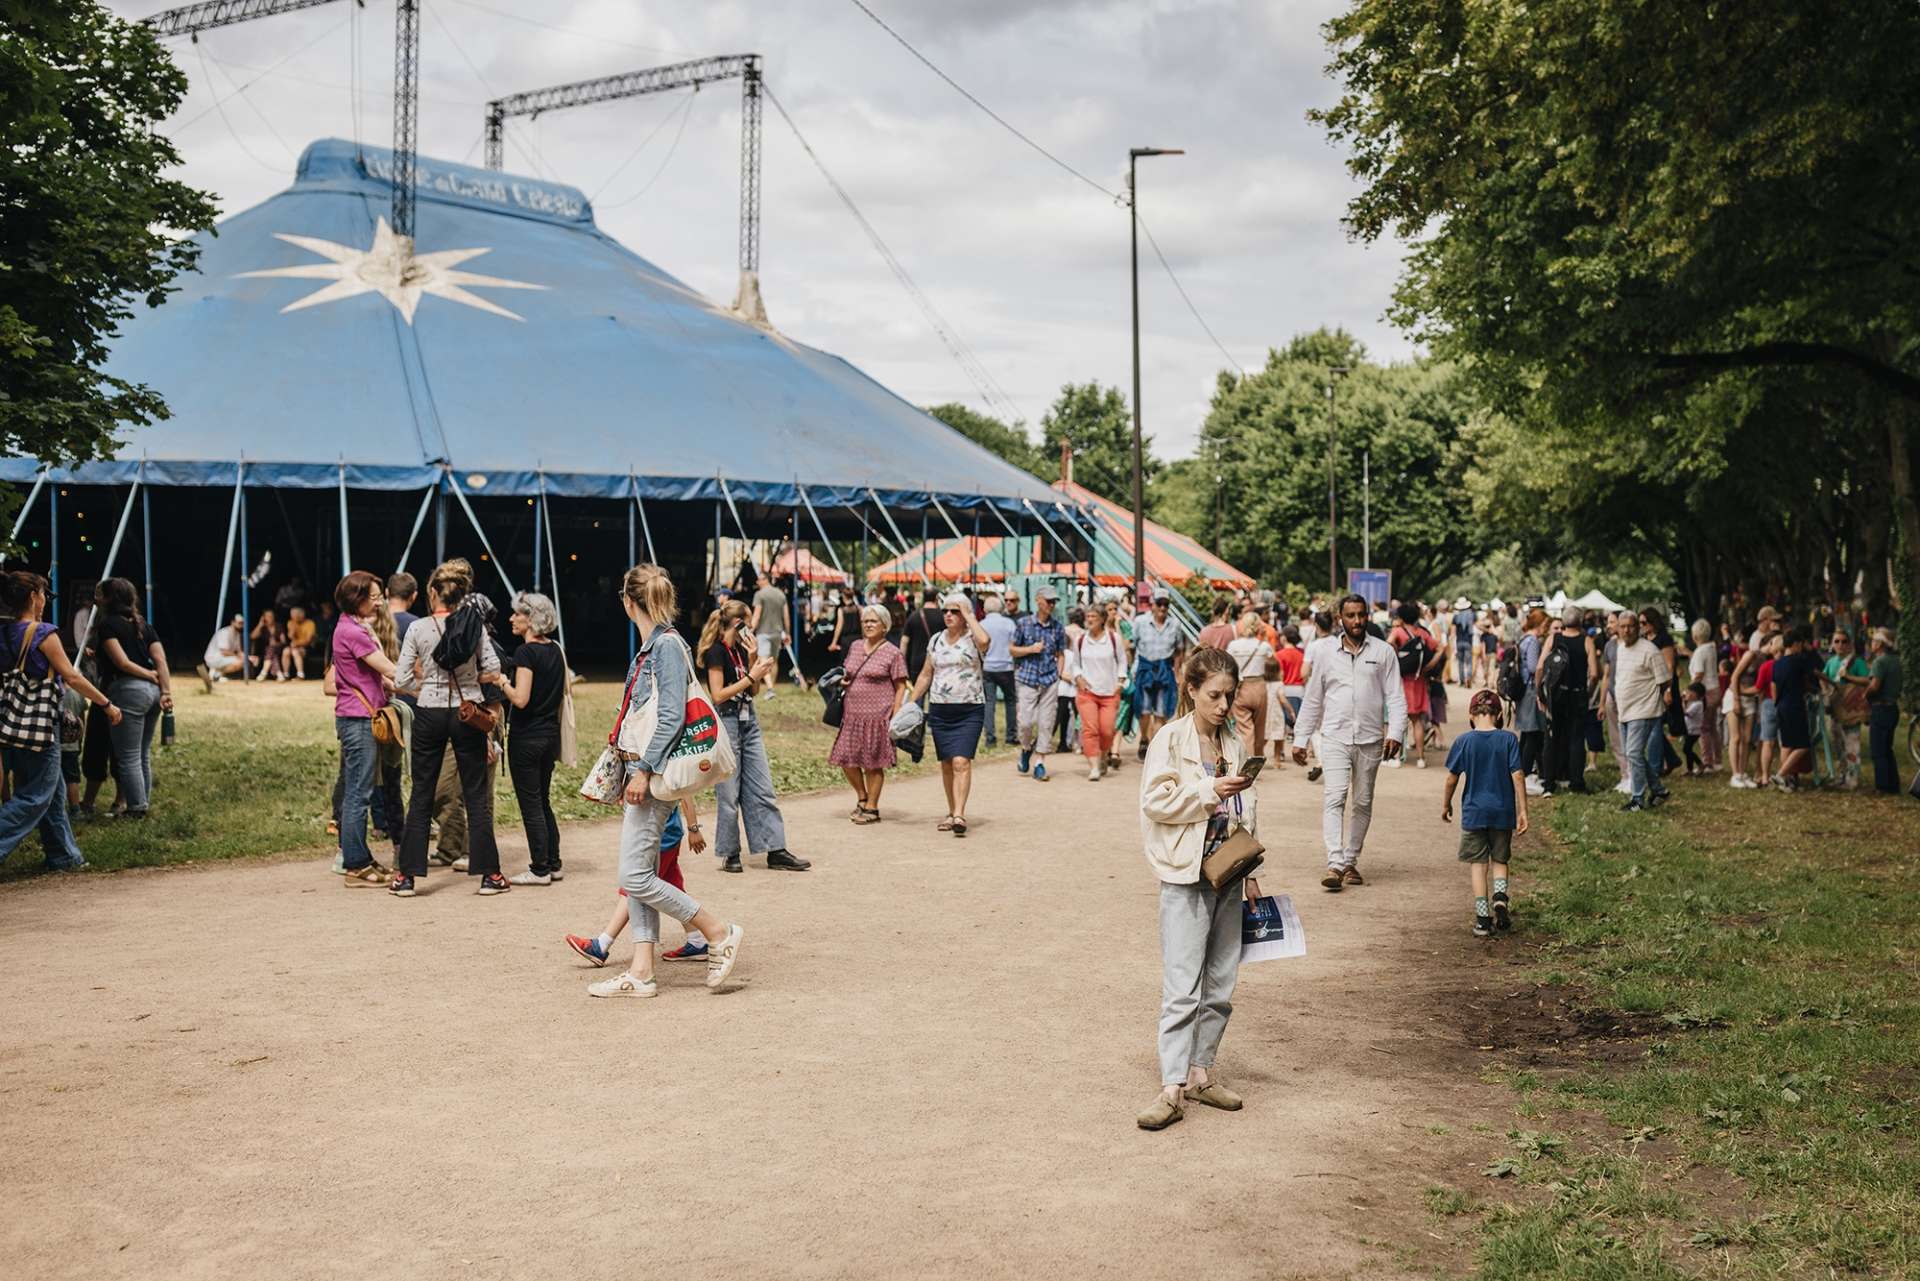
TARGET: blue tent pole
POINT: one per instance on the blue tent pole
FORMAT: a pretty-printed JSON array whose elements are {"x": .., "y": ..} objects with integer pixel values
[
  {"x": 440, "y": 518},
  {"x": 226, "y": 565},
  {"x": 537, "y": 522},
  {"x": 53, "y": 549},
  {"x": 719, "y": 574},
  {"x": 460, "y": 494},
  {"x": 246, "y": 572},
  {"x": 632, "y": 637},
  {"x": 419, "y": 519},
  {"x": 146, "y": 547},
  {"x": 39, "y": 483},
  {"x": 113, "y": 550},
  {"x": 793, "y": 644},
  {"x": 346, "y": 546},
  {"x": 832, "y": 555},
  {"x": 553, "y": 563}
]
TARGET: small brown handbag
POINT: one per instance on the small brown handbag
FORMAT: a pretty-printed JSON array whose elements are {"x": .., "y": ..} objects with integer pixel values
[
  {"x": 475, "y": 716},
  {"x": 1235, "y": 856}
]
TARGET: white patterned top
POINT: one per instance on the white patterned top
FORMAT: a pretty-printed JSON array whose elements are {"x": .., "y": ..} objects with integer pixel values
[{"x": 956, "y": 670}]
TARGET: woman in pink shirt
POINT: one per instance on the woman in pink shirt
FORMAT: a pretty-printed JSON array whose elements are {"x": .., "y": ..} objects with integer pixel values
[{"x": 362, "y": 675}]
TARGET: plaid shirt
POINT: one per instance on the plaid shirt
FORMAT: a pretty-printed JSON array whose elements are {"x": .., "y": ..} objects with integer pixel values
[{"x": 1040, "y": 669}]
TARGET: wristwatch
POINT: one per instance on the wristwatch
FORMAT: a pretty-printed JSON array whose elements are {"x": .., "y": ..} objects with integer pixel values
[{"x": 693, "y": 827}]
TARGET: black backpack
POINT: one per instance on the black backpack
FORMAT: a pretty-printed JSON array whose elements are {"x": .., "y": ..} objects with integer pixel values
[
  {"x": 1513, "y": 681},
  {"x": 1414, "y": 652},
  {"x": 1554, "y": 672}
]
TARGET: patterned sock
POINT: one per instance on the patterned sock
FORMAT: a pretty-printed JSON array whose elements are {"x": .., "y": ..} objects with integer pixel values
[
  {"x": 1480, "y": 905},
  {"x": 1499, "y": 886}
]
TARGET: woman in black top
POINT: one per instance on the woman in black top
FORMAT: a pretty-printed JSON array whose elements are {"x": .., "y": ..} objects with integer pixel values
[
  {"x": 139, "y": 684},
  {"x": 1566, "y": 705},
  {"x": 846, "y": 623},
  {"x": 733, "y": 672},
  {"x": 537, "y": 690},
  {"x": 1793, "y": 680}
]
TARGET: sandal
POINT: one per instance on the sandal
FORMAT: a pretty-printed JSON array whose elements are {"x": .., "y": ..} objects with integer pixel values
[
  {"x": 867, "y": 816},
  {"x": 946, "y": 824},
  {"x": 959, "y": 827}
]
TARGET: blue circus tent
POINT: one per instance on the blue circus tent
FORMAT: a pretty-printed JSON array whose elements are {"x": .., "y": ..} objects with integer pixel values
[{"x": 518, "y": 355}]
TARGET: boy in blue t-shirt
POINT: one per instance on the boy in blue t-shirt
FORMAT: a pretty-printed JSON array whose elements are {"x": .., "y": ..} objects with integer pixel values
[{"x": 1493, "y": 808}]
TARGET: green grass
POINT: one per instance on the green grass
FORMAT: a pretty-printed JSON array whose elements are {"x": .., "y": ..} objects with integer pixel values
[
  {"x": 251, "y": 773},
  {"x": 1769, "y": 1130}
]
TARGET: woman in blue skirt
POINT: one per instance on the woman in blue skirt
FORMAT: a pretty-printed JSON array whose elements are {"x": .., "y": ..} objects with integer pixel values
[{"x": 957, "y": 708}]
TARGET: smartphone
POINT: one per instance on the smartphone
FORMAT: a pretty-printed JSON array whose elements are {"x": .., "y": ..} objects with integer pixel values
[{"x": 1251, "y": 770}]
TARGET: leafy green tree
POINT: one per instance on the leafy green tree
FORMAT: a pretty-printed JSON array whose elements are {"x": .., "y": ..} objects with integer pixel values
[
  {"x": 1099, "y": 424},
  {"x": 1009, "y": 440},
  {"x": 1634, "y": 224},
  {"x": 88, "y": 221},
  {"x": 1267, "y": 436}
]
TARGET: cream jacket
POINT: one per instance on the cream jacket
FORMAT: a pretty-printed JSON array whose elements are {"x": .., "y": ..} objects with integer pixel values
[{"x": 1177, "y": 798}]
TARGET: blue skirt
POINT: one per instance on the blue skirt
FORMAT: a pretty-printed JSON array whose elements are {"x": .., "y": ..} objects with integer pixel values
[{"x": 956, "y": 729}]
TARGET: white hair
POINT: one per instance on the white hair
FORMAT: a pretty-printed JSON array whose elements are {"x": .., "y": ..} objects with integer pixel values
[
  {"x": 877, "y": 612},
  {"x": 995, "y": 605},
  {"x": 542, "y": 619},
  {"x": 1702, "y": 631}
]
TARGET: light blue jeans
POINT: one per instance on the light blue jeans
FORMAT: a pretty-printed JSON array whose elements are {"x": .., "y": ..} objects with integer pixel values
[
  {"x": 647, "y": 894},
  {"x": 748, "y": 794},
  {"x": 39, "y": 801},
  {"x": 1645, "y": 753},
  {"x": 139, "y": 704},
  {"x": 1199, "y": 966}
]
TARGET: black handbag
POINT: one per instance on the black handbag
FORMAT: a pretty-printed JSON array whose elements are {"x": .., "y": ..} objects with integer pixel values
[{"x": 833, "y": 688}]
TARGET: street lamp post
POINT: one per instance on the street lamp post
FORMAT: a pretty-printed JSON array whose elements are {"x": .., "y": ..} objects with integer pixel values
[
  {"x": 1335, "y": 373},
  {"x": 1139, "y": 450}
]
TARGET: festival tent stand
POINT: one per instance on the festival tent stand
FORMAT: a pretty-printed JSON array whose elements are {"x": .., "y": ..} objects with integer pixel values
[{"x": 524, "y": 390}]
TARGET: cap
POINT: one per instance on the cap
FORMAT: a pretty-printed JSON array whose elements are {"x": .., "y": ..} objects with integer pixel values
[
  {"x": 1883, "y": 636},
  {"x": 1768, "y": 613},
  {"x": 1047, "y": 592},
  {"x": 956, "y": 600},
  {"x": 1161, "y": 594},
  {"x": 1483, "y": 703}
]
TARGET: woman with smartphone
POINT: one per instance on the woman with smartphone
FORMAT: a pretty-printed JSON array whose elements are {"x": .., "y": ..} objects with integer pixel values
[{"x": 1196, "y": 788}]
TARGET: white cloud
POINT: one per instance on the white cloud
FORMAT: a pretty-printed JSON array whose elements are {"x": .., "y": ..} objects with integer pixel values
[{"x": 1028, "y": 264}]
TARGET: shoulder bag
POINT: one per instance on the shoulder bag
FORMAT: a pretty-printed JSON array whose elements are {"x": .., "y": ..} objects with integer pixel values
[
  {"x": 29, "y": 706},
  {"x": 383, "y": 721},
  {"x": 703, "y": 757},
  {"x": 569, "y": 727},
  {"x": 1235, "y": 857},
  {"x": 836, "y": 693}
]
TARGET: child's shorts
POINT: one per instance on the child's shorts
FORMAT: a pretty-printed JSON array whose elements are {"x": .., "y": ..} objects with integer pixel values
[
  {"x": 1486, "y": 845},
  {"x": 70, "y": 767}
]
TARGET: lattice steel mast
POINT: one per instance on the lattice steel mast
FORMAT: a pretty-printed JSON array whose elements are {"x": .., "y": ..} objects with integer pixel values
[
  {"x": 632, "y": 84},
  {"x": 190, "y": 20}
]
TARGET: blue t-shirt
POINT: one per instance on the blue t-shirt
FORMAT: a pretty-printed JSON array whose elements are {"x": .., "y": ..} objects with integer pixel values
[
  {"x": 1489, "y": 758},
  {"x": 672, "y": 830}
]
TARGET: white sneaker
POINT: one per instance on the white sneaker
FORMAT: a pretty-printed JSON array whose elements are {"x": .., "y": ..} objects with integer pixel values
[
  {"x": 1533, "y": 785},
  {"x": 623, "y": 985},
  {"x": 1392, "y": 763},
  {"x": 1421, "y": 763},
  {"x": 460, "y": 864},
  {"x": 722, "y": 955},
  {"x": 556, "y": 875},
  {"x": 1626, "y": 789},
  {"x": 1093, "y": 774},
  {"x": 530, "y": 878}
]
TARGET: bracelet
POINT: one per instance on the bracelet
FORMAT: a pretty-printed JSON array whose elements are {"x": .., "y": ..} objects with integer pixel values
[{"x": 693, "y": 827}]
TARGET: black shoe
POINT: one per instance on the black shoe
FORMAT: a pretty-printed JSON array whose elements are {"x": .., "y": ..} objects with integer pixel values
[
  {"x": 781, "y": 861},
  {"x": 732, "y": 864},
  {"x": 1482, "y": 926},
  {"x": 1313, "y": 775},
  {"x": 1141, "y": 753},
  {"x": 401, "y": 886},
  {"x": 1632, "y": 807},
  {"x": 1502, "y": 915}
]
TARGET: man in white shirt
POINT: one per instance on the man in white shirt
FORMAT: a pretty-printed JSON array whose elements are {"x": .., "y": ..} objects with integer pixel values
[
  {"x": 997, "y": 667},
  {"x": 1355, "y": 702},
  {"x": 1641, "y": 689},
  {"x": 226, "y": 656}
]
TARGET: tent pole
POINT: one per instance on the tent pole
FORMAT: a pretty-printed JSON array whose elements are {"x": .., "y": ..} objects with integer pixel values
[
  {"x": 793, "y": 592},
  {"x": 553, "y": 562},
  {"x": 460, "y": 495},
  {"x": 39, "y": 483},
  {"x": 440, "y": 518},
  {"x": 346, "y": 547},
  {"x": 419, "y": 518},
  {"x": 632, "y": 640},
  {"x": 717, "y": 571},
  {"x": 894, "y": 526},
  {"x": 645, "y": 529},
  {"x": 113, "y": 550},
  {"x": 537, "y": 522},
  {"x": 923, "y": 543},
  {"x": 146, "y": 545},
  {"x": 246, "y": 573},
  {"x": 53, "y": 550},
  {"x": 973, "y": 550},
  {"x": 226, "y": 564},
  {"x": 832, "y": 555}
]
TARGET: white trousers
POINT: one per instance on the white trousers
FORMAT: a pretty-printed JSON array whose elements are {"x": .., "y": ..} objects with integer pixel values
[{"x": 1350, "y": 770}]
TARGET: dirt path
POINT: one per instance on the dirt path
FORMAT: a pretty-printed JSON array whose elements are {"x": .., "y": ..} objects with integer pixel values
[{"x": 929, "y": 1064}]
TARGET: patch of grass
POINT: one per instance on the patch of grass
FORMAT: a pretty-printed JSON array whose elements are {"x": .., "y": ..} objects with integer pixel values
[
  {"x": 1774, "y": 935},
  {"x": 252, "y": 771},
  {"x": 1445, "y": 1202}
]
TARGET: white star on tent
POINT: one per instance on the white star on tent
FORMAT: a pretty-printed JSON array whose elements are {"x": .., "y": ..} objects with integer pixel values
[{"x": 387, "y": 268}]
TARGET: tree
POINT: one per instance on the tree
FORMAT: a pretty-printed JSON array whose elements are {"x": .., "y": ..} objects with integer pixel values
[
  {"x": 1008, "y": 440},
  {"x": 88, "y": 220},
  {"x": 1622, "y": 213},
  {"x": 1267, "y": 438},
  {"x": 1099, "y": 425}
]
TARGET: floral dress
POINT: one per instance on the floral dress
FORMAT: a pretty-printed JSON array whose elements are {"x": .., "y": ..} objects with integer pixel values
[{"x": 863, "y": 741}]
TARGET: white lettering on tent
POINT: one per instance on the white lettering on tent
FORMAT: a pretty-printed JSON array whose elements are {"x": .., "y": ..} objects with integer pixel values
[{"x": 555, "y": 202}]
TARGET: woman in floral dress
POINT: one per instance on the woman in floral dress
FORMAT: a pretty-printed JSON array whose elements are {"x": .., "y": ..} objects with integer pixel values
[
  {"x": 876, "y": 687},
  {"x": 957, "y": 710}
]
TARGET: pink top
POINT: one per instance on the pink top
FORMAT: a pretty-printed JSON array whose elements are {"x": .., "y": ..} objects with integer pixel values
[{"x": 352, "y": 642}]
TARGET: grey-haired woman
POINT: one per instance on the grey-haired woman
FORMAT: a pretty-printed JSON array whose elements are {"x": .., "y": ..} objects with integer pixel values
[{"x": 536, "y": 686}]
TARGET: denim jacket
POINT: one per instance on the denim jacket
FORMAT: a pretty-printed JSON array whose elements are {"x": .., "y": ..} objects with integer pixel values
[{"x": 661, "y": 664}]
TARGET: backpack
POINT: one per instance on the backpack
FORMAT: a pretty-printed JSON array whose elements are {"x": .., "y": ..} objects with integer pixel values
[
  {"x": 1554, "y": 672},
  {"x": 1414, "y": 652},
  {"x": 1513, "y": 681}
]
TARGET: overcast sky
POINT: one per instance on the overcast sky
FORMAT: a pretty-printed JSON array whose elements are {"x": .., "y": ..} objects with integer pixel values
[{"x": 1027, "y": 264}]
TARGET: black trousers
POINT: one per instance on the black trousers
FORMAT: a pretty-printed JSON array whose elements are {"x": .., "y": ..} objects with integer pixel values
[
  {"x": 1533, "y": 744},
  {"x": 532, "y": 751},
  {"x": 435, "y": 729},
  {"x": 1566, "y": 757},
  {"x": 1882, "y": 720}
]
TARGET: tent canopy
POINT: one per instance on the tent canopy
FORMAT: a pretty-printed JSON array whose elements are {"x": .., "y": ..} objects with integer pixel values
[
  {"x": 804, "y": 565},
  {"x": 1597, "y": 599},
  {"x": 520, "y": 349}
]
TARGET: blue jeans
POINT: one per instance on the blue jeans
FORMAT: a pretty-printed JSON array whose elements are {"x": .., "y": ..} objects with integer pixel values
[
  {"x": 1000, "y": 690},
  {"x": 1462, "y": 661},
  {"x": 1646, "y": 752},
  {"x": 39, "y": 800},
  {"x": 139, "y": 703},
  {"x": 357, "y": 762},
  {"x": 748, "y": 794}
]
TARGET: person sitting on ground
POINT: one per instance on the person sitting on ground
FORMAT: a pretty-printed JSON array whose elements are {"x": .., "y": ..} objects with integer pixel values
[
  {"x": 226, "y": 656},
  {"x": 1493, "y": 810},
  {"x": 269, "y": 639},
  {"x": 300, "y": 633},
  {"x": 1192, "y": 795}
]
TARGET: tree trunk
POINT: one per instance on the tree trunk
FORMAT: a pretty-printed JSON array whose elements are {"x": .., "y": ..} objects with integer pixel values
[{"x": 1906, "y": 505}]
